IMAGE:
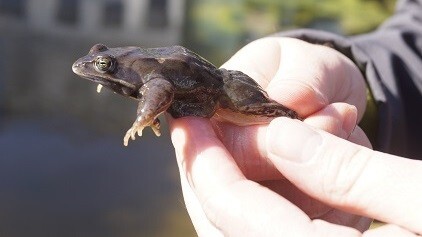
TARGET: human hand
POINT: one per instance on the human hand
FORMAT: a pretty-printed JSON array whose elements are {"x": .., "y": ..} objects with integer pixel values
[
  {"x": 319, "y": 83},
  {"x": 305, "y": 76},
  {"x": 322, "y": 85},
  {"x": 349, "y": 177}
]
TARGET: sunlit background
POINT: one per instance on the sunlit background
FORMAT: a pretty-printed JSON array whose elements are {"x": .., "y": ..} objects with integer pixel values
[{"x": 63, "y": 168}]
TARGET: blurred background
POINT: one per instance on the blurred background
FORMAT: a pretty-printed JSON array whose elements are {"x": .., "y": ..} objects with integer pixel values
[{"x": 63, "y": 168}]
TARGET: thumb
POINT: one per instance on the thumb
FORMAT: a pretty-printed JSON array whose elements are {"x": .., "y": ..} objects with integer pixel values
[{"x": 345, "y": 175}]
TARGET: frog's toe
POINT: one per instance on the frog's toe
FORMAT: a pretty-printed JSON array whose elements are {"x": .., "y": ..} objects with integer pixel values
[
  {"x": 156, "y": 131},
  {"x": 128, "y": 135},
  {"x": 138, "y": 127},
  {"x": 131, "y": 134},
  {"x": 126, "y": 139},
  {"x": 137, "y": 130},
  {"x": 156, "y": 127}
]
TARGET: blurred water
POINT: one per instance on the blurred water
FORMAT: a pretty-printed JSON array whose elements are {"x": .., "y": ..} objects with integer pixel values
[{"x": 60, "y": 178}]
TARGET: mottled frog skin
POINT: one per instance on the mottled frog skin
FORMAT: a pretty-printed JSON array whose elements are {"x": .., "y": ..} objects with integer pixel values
[{"x": 176, "y": 80}]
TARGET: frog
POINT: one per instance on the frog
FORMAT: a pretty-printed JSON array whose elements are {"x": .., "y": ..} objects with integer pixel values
[{"x": 176, "y": 80}]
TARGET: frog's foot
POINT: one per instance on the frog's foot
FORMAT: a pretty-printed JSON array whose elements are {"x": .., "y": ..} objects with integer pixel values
[{"x": 137, "y": 128}]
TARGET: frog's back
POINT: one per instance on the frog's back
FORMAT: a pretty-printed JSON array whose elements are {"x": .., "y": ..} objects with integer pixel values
[
  {"x": 177, "y": 53},
  {"x": 186, "y": 69}
]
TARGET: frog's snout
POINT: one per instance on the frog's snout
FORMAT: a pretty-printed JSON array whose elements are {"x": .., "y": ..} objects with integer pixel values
[{"x": 77, "y": 67}]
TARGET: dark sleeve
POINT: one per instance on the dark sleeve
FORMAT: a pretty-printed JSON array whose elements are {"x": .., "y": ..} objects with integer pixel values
[{"x": 391, "y": 61}]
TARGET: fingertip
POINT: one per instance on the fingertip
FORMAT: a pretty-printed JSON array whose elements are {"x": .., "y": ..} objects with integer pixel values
[
  {"x": 185, "y": 133},
  {"x": 359, "y": 137},
  {"x": 338, "y": 119}
]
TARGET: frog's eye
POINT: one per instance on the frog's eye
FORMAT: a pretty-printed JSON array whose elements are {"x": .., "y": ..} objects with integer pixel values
[{"x": 104, "y": 64}]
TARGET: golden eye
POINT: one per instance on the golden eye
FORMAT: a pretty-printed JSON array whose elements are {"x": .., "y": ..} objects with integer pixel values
[{"x": 104, "y": 64}]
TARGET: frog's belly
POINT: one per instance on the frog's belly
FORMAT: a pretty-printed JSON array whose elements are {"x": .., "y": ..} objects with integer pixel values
[{"x": 240, "y": 119}]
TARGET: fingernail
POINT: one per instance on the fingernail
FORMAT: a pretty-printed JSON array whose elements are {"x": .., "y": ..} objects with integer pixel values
[
  {"x": 292, "y": 140},
  {"x": 349, "y": 122}
]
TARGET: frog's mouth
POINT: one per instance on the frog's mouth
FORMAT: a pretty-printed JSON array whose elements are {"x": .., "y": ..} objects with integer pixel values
[
  {"x": 103, "y": 83},
  {"x": 116, "y": 85}
]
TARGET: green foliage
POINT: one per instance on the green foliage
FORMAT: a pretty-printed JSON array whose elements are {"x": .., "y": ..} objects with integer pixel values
[
  {"x": 216, "y": 28},
  {"x": 214, "y": 23},
  {"x": 354, "y": 16}
]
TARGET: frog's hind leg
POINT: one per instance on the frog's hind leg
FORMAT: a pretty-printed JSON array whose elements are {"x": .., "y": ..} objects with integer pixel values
[
  {"x": 183, "y": 108},
  {"x": 157, "y": 95},
  {"x": 270, "y": 109},
  {"x": 247, "y": 98}
]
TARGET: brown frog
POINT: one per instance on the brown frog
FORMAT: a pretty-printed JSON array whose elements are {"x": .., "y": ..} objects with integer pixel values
[{"x": 176, "y": 80}]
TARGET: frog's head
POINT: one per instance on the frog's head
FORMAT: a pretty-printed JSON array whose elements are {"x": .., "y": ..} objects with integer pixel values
[{"x": 109, "y": 67}]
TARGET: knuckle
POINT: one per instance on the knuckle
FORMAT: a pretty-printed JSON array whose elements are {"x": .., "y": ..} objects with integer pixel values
[{"x": 343, "y": 173}]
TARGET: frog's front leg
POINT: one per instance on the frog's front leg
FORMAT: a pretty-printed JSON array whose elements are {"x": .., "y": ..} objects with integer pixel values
[{"x": 157, "y": 95}]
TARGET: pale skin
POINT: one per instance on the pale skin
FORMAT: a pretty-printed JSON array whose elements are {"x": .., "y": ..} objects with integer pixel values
[{"x": 292, "y": 178}]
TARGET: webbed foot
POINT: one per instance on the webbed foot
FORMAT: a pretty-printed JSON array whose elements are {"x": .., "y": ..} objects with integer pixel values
[{"x": 137, "y": 128}]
